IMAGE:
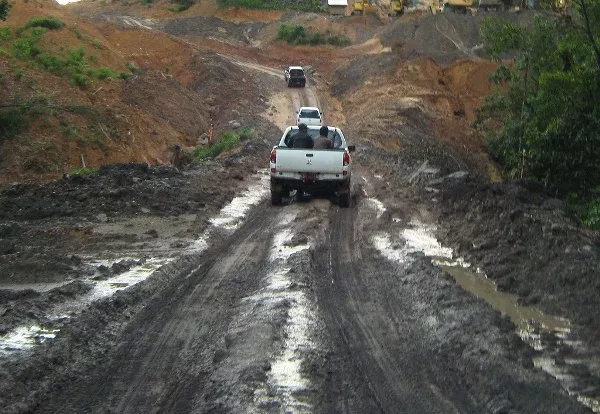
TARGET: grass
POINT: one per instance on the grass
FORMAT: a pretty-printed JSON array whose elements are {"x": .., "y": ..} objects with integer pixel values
[
  {"x": 298, "y": 35},
  {"x": 226, "y": 142},
  {"x": 23, "y": 44},
  {"x": 79, "y": 172}
]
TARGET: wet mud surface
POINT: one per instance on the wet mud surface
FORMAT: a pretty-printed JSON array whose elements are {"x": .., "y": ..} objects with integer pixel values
[{"x": 145, "y": 289}]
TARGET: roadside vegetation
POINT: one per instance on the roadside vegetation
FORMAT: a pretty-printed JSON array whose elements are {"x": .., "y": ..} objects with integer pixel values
[
  {"x": 307, "y": 6},
  {"x": 79, "y": 172},
  {"x": 543, "y": 121},
  {"x": 299, "y": 35},
  {"x": 25, "y": 107},
  {"x": 24, "y": 45},
  {"x": 226, "y": 142},
  {"x": 4, "y": 8}
]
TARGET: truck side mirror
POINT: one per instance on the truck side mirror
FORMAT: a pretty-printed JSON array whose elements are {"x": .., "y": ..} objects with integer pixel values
[{"x": 351, "y": 148}]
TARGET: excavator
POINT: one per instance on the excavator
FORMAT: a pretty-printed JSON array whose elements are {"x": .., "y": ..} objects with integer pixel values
[{"x": 395, "y": 8}]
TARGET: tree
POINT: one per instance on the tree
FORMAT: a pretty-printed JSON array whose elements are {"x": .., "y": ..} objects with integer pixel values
[
  {"x": 543, "y": 120},
  {"x": 4, "y": 7}
]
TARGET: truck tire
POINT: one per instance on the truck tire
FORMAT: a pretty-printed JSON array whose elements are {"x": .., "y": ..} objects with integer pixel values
[
  {"x": 276, "y": 198},
  {"x": 345, "y": 199},
  {"x": 344, "y": 195}
]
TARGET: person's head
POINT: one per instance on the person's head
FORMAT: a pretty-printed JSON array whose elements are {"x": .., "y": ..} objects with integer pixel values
[
  {"x": 324, "y": 130},
  {"x": 302, "y": 127}
]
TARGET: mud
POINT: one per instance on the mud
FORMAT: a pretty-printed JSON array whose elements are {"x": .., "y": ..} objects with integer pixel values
[{"x": 307, "y": 307}]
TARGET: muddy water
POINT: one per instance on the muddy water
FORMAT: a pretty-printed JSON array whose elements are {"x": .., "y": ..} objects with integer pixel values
[
  {"x": 544, "y": 333},
  {"x": 529, "y": 320},
  {"x": 230, "y": 217}
]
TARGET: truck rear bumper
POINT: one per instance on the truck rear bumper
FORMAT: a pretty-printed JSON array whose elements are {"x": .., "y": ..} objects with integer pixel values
[{"x": 310, "y": 186}]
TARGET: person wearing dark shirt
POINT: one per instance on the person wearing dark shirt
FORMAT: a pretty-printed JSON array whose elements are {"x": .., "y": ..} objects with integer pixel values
[{"x": 300, "y": 139}]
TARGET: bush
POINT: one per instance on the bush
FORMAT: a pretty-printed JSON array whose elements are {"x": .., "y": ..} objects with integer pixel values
[
  {"x": 50, "y": 23},
  {"x": 11, "y": 122},
  {"x": 226, "y": 142},
  {"x": 102, "y": 73},
  {"x": 592, "y": 214},
  {"x": 5, "y": 33},
  {"x": 298, "y": 35},
  {"x": 79, "y": 79},
  {"x": 309, "y": 6}
]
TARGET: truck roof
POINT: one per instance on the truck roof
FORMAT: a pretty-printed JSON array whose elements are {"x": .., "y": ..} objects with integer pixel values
[{"x": 295, "y": 67}]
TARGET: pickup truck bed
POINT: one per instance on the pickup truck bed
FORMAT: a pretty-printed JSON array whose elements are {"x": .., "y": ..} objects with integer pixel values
[{"x": 311, "y": 170}]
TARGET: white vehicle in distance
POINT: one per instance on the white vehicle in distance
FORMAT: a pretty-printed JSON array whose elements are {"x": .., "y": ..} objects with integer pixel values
[{"x": 309, "y": 115}]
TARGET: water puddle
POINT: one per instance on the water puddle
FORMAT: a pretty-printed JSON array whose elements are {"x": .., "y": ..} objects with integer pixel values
[
  {"x": 285, "y": 377},
  {"x": 542, "y": 332},
  {"x": 232, "y": 215},
  {"x": 23, "y": 338}
]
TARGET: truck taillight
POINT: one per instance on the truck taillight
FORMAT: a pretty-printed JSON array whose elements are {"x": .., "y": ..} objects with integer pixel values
[
  {"x": 273, "y": 161},
  {"x": 346, "y": 158}
]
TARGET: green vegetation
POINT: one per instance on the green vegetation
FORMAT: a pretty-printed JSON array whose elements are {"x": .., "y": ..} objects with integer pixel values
[
  {"x": 308, "y": 5},
  {"x": 298, "y": 35},
  {"x": 78, "y": 172},
  {"x": 4, "y": 8},
  {"x": 182, "y": 5},
  {"x": 50, "y": 23},
  {"x": 24, "y": 45},
  {"x": 226, "y": 142},
  {"x": 543, "y": 121},
  {"x": 12, "y": 121}
]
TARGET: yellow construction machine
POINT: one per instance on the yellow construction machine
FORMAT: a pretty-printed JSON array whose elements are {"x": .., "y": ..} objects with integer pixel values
[
  {"x": 363, "y": 6},
  {"x": 395, "y": 7}
]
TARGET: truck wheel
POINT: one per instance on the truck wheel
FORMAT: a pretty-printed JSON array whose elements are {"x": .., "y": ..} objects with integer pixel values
[
  {"x": 344, "y": 195},
  {"x": 345, "y": 199},
  {"x": 276, "y": 198}
]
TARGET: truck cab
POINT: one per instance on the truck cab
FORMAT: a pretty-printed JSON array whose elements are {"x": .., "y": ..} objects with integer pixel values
[{"x": 294, "y": 76}]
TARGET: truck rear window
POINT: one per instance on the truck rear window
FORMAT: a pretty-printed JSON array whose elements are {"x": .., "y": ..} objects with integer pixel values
[
  {"x": 305, "y": 113},
  {"x": 297, "y": 73}
]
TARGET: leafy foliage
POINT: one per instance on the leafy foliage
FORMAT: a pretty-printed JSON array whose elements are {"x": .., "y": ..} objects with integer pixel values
[
  {"x": 182, "y": 5},
  {"x": 543, "y": 121},
  {"x": 4, "y": 8},
  {"x": 226, "y": 142},
  {"x": 298, "y": 35},
  {"x": 72, "y": 64},
  {"x": 78, "y": 172},
  {"x": 50, "y": 23},
  {"x": 308, "y": 5}
]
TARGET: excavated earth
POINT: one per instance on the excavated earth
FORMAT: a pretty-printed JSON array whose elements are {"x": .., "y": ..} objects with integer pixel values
[{"x": 305, "y": 307}]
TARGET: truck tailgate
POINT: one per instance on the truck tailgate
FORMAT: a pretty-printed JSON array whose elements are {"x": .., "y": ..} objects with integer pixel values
[{"x": 314, "y": 161}]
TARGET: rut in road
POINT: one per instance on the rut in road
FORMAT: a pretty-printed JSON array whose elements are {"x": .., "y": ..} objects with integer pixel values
[{"x": 170, "y": 347}]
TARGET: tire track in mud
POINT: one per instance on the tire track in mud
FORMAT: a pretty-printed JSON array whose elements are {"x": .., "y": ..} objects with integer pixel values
[
  {"x": 371, "y": 330},
  {"x": 405, "y": 338},
  {"x": 163, "y": 358}
]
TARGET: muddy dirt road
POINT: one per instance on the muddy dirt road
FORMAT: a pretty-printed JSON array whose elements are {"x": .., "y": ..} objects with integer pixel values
[{"x": 152, "y": 289}]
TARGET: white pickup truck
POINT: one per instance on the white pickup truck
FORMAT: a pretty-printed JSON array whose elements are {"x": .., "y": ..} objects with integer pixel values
[{"x": 311, "y": 170}]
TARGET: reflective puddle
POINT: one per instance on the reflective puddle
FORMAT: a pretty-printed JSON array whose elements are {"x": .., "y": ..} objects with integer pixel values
[
  {"x": 285, "y": 376},
  {"x": 24, "y": 338},
  {"x": 232, "y": 215},
  {"x": 542, "y": 332}
]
